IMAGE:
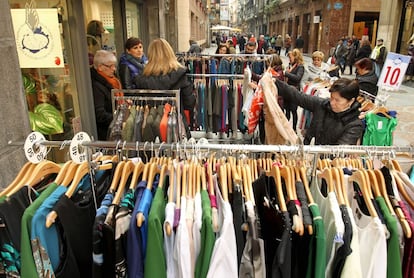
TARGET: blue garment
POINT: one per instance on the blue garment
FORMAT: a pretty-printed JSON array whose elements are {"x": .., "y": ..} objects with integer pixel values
[
  {"x": 135, "y": 257},
  {"x": 135, "y": 67},
  {"x": 48, "y": 238}
]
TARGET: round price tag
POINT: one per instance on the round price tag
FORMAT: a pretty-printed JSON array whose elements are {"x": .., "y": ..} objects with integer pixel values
[
  {"x": 34, "y": 151},
  {"x": 78, "y": 153}
]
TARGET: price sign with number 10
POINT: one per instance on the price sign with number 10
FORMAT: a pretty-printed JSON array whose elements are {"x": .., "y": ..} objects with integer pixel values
[{"x": 393, "y": 72}]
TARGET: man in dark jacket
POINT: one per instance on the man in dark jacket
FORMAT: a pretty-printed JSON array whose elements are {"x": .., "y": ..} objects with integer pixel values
[{"x": 336, "y": 120}]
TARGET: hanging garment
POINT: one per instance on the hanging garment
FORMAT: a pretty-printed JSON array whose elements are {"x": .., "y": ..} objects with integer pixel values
[
  {"x": 169, "y": 240},
  {"x": 128, "y": 128},
  {"x": 352, "y": 266},
  {"x": 207, "y": 238},
  {"x": 182, "y": 252},
  {"x": 135, "y": 255},
  {"x": 197, "y": 223},
  {"x": 122, "y": 221},
  {"x": 372, "y": 239},
  {"x": 317, "y": 248},
  {"x": 275, "y": 228},
  {"x": 103, "y": 235},
  {"x": 155, "y": 258},
  {"x": 11, "y": 212},
  {"x": 393, "y": 245},
  {"x": 76, "y": 218},
  {"x": 28, "y": 267},
  {"x": 253, "y": 263},
  {"x": 333, "y": 223},
  {"x": 281, "y": 124},
  {"x": 223, "y": 260},
  {"x": 379, "y": 129},
  {"x": 238, "y": 208}
]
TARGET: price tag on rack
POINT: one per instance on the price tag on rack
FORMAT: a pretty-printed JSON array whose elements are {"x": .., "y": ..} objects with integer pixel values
[
  {"x": 78, "y": 153},
  {"x": 393, "y": 72},
  {"x": 34, "y": 151}
]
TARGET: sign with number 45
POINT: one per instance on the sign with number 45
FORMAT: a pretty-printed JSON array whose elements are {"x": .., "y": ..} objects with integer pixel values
[{"x": 392, "y": 74}]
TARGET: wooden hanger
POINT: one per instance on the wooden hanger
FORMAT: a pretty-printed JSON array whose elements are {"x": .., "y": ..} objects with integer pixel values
[
  {"x": 168, "y": 229},
  {"x": 40, "y": 172},
  {"x": 20, "y": 178},
  {"x": 401, "y": 189},
  {"x": 275, "y": 173},
  {"x": 117, "y": 177},
  {"x": 223, "y": 182},
  {"x": 178, "y": 174},
  {"x": 138, "y": 170},
  {"x": 69, "y": 174},
  {"x": 140, "y": 218},
  {"x": 326, "y": 174},
  {"x": 359, "y": 177},
  {"x": 81, "y": 171},
  {"x": 381, "y": 110},
  {"x": 245, "y": 187},
  {"x": 61, "y": 175},
  {"x": 338, "y": 185},
  {"x": 203, "y": 177},
  {"x": 127, "y": 170},
  {"x": 302, "y": 177}
]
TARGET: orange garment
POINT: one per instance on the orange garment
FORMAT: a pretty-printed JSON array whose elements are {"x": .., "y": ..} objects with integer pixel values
[
  {"x": 255, "y": 109},
  {"x": 164, "y": 122},
  {"x": 115, "y": 83}
]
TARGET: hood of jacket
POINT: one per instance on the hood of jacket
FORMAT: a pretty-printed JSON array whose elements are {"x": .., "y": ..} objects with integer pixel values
[{"x": 168, "y": 81}]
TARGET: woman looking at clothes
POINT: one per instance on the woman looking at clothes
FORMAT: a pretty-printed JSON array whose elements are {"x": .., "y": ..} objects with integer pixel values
[
  {"x": 365, "y": 74},
  {"x": 293, "y": 76},
  {"x": 164, "y": 72},
  {"x": 131, "y": 62},
  {"x": 317, "y": 69},
  {"x": 103, "y": 81},
  {"x": 335, "y": 120}
]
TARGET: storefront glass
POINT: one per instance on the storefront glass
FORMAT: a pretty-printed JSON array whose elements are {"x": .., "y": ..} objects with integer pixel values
[{"x": 43, "y": 45}]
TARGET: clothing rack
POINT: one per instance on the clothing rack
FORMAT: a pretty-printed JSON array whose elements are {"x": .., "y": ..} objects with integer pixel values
[
  {"x": 145, "y": 95},
  {"x": 216, "y": 75},
  {"x": 203, "y": 144}
]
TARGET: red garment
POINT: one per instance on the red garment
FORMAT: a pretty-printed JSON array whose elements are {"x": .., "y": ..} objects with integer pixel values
[
  {"x": 408, "y": 258},
  {"x": 164, "y": 122},
  {"x": 255, "y": 109}
]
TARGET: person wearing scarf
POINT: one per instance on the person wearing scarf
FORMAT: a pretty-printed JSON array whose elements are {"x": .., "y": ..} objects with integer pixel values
[{"x": 103, "y": 81}]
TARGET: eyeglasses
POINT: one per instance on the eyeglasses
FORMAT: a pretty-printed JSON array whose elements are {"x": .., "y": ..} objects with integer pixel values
[{"x": 109, "y": 66}]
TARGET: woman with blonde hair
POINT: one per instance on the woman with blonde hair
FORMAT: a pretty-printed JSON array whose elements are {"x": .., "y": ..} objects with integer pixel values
[
  {"x": 293, "y": 76},
  {"x": 317, "y": 69},
  {"x": 164, "y": 72}
]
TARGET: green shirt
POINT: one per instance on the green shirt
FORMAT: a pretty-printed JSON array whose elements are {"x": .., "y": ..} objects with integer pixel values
[
  {"x": 207, "y": 238},
  {"x": 28, "y": 267},
  {"x": 317, "y": 248},
  {"x": 155, "y": 262},
  {"x": 394, "y": 269}
]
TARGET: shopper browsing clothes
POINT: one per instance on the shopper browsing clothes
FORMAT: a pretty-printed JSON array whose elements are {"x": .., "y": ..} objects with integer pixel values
[
  {"x": 164, "y": 72},
  {"x": 131, "y": 62},
  {"x": 335, "y": 120},
  {"x": 103, "y": 81}
]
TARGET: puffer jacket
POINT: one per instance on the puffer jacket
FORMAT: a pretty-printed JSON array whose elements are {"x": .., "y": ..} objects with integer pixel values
[
  {"x": 327, "y": 127},
  {"x": 368, "y": 82},
  {"x": 128, "y": 68},
  {"x": 172, "y": 81}
]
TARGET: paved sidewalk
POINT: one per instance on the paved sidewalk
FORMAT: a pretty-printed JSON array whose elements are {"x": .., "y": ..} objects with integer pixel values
[{"x": 401, "y": 101}]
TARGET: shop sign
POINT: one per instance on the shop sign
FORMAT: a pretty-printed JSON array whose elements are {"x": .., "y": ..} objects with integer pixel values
[
  {"x": 393, "y": 71},
  {"x": 37, "y": 36}
]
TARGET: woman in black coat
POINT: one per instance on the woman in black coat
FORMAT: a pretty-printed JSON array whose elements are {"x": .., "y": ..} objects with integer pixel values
[
  {"x": 164, "y": 72},
  {"x": 336, "y": 120},
  {"x": 365, "y": 74},
  {"x": 364, "y": 51}
]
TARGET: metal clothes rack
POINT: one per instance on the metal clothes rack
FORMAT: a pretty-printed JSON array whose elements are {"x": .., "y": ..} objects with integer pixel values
[{"x": 145, "y": 95}]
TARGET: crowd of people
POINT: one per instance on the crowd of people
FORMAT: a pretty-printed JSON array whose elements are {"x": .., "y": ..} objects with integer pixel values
[{"x": 161, "y": 70}]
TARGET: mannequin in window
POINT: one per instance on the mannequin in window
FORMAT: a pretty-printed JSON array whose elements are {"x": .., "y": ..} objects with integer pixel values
[{"x": 94, "y": 31}]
